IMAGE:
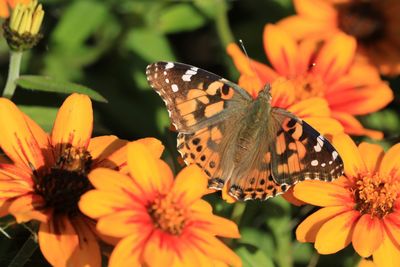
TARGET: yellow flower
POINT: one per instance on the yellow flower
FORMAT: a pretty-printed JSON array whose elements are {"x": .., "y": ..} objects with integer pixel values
[
  {"x": 161, "y": 221},
  {"x": 362, "y": 207},
  {"x": 48, "y": 174}
]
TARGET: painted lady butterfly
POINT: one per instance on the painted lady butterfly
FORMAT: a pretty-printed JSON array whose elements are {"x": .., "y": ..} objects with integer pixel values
[{"x": 259, "y": 150}]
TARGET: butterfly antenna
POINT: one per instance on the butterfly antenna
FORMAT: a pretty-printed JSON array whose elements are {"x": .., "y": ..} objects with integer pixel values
[{"x": 248, "y": 58}]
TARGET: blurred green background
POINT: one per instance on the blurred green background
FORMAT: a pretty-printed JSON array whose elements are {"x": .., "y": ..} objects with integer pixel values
[{"x": 106, "y": 45}]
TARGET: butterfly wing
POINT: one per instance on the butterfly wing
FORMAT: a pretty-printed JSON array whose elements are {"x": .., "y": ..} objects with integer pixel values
[
  {"x": 297, "y": 152},
  {"x": 195, "y": 98},
  {"x": 201, "y": 106}
]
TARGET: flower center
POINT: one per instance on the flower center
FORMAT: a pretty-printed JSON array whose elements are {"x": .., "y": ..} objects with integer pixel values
[
  {"x": 307, "y": 86},
  {"x": 63, "y": 186},
  {"x": 375, "y": 195},
  {"x": 361, "y": 20},
  {"x": 167, "y": 215}
]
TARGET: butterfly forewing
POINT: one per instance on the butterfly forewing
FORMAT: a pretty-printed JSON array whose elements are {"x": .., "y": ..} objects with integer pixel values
[
  {"x": 260, "y": 152},
  {"x": 195, "y": 98}
]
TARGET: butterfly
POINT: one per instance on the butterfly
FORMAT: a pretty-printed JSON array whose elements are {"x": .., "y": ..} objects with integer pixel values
[{"x": 258, "y": 150}]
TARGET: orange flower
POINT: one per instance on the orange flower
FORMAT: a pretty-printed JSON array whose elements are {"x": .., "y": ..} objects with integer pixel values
[
  {"x": 374, "y": 24},
  {"x": 162, "y": 222},
  {"x": 6, "y": 5},
  {"x": 325, "y": 71},
  {"x": 362, "y": 207},
  {"x": 48, "y": 176}
]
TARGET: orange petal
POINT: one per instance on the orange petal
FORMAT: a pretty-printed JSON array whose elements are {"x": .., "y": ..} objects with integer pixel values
[
  {"x": 191, "y": 256},
  {"x": 392, "y": 226},
  {"x": 366, "y": 263},
  {"x": 108, "y": 152},
  {"x": 283, "y": 93},
  {"x": 367, "y": 236},
  {"x": 300, "y": 27},
  {"x": 74, "y": 122},
  {"x": 315, "y": 106},
  {"x": 289, "y": 196},
  {"x": 4, "y": 13},
  {"x": 390, "y": 163},
  {"x": 28, "y": 207},
  {"x": 161, "y": 244},
  {"x": 124, "y": 223},
  {"x": 335, "y": 57},
  {"x": 110, "y": 181},
  {"x": 308, "y": 229},
  {"x": 58, "y": 244},
  {"x": 150, "y": 173},
  {"x": 281, "y": 50},
  {"x": 190, "y": 185},
  {"x": 153, "y": 144},
  {"x": 214, "y": 248},
  {"x": 323, "y": 194},
  {"x": 361, "y": 100},
  {"x": 388, "y": 254},
  {"x": 98, "y": 203},
  {"x": 325, "y": 125},
  {"x": 201, "y": 206},
  {"x": 348, "y": 151},
  {"x": 88, "y": 251},
  {"x": 353, "y": 126},
  {"x": 21, "y": 143},
  {"x": 315, "y": 9},
  {"x": 336, "y": 233},
  {"x": 128, "y": 251},
  {"x": 217, "y": 225},
  {"x": 372, "y": 155}
]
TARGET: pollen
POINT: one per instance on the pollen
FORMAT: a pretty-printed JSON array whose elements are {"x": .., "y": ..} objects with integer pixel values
[
  {"x": 167, "y": 215},
  {"x": 375, "y": 195}
]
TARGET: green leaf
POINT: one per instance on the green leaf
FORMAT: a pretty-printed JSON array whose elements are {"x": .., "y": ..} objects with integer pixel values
[
  {"x": 47, "y": 84},
  {"x": 44, "y": 116},
  {"x": 149, "y": 45},
  {"x": 207, "y": 7},
  {"x": 258, "y": 239},
  {"x": 79, "y": 21},
  {"x": 258, "y": 258},
  {"x": 180, "y": 17}
]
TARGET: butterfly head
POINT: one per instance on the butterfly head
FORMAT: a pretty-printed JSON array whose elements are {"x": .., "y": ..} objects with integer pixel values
[{"x": 265, "y": 93}]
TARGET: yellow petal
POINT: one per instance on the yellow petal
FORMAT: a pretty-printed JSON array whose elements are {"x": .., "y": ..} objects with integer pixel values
[
  {"x": 108, "y": 152},
  {"x": 58, "y": 244},
  {"x": 217, "y": 225},
  {"x": 336, "y": 233},
  {"x": 74, "y": 123},
  {"x": 190, "y": 185},
  {"x": 388, "y": 254},
  {"x": 320, "y": 10},
  {"x": 323, "y": 194},
  {"x": 128, "y": 251},
  {"x": 153, "y": 144},
  {"x": 28, "y": 207},
  {"x": 372, "y": 155},
  {"x": 124, "y": 223},
  {"x": 348, "y": 151},
  {"x": 315, "y": 106},
  {"x": 163, "y": 245},
  {"x": 390, "y": 163},
  {"x": 308, "y": 229},
  {"x": 367, "y": 236},
  {"x": 149, "y": 172},
  {"x": 23, "y": 142}
]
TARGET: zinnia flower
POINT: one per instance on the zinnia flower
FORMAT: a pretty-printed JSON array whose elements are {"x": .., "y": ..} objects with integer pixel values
[
  {"x": 325, "y": 71},
  {"x": 6, "y": 5},
  {"x": 161, "y": 221},
  {"x": 362, "y": 207},
  {"x": 374, "y": 24},
  {"x": 48, "y": 174}
]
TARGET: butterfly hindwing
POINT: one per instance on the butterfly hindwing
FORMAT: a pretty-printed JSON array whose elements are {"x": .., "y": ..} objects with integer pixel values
[{"x": 195, "y": 98}]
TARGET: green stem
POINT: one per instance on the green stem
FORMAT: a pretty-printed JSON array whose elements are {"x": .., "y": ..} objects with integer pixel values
[
  {"x": 13, "y": 73},
  {"x": 237, "y": 213},
  {"x": 25, "y": 253},
  {"x": 222, "y": 23}
]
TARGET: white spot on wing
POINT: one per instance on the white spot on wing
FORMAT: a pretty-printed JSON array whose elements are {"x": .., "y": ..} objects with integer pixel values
[
  {"x": 314, "y": 162},
  {"x": 188, "y": 75},
  {"x": 323, "y": 164},
  {"x": 169, "y": 65},
  {"x": 334, "y": 155},
  {"x": 175, "y": 88},
  {"x": 167, "y": 80}
]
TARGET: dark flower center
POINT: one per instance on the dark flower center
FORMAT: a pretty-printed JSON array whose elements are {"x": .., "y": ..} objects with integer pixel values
[
  {"x": 63, "y": 186},
  {"x": 361, "y": 20}
]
